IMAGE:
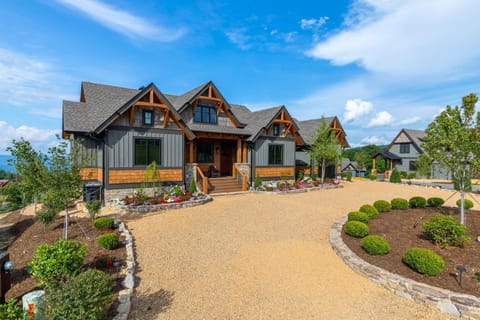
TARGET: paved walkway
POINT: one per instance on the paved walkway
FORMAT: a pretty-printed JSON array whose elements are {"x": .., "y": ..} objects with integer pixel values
[{"x": 261, "y": 256}]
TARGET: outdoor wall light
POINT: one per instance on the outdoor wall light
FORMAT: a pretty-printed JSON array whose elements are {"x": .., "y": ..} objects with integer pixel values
[
  {"x": 460, "y": 269},
  {"x": 8, "y": 265}
]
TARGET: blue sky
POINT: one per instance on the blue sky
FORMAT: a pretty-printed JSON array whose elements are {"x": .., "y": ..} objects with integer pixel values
[{"x": 378, "y": 65}]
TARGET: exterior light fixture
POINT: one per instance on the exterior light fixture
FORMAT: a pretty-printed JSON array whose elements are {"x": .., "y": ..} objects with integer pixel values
[{"x": 460, "y": 269}]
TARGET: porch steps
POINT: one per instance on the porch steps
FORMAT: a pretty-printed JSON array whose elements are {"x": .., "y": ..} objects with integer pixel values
[{"x": 223, "y": 185}]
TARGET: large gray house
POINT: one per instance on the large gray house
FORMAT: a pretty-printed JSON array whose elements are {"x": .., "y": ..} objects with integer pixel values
[
  {"x": 197, "y": 135},
  {"x": 402, "y": 154}
]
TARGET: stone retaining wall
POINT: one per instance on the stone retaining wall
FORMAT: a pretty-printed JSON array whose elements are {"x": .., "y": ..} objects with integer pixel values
[
  {"x": 160, "y": 207},
  {"x": 453, "y": 303}
]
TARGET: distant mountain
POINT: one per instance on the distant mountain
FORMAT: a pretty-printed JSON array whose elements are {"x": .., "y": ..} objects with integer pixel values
[{"x": 3, "y": 163}]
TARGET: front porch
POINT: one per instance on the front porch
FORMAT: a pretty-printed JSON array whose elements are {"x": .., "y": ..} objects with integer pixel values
[
  {"x": 217, "y": 162},
  {"x": 390, "y": 160}
]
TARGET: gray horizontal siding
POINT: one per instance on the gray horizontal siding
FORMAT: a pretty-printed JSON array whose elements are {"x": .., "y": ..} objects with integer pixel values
[
  {"x": 261, "y": 151},
  {"x": 121, "y": 147}
]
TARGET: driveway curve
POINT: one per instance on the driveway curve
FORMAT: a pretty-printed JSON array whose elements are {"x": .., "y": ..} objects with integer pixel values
[{"x": 262, "y": 256}]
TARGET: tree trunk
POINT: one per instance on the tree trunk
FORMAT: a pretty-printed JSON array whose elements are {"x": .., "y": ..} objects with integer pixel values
[
  {"x": 324, "y": 162},
  {"x": 35, "y": 205},
  {"x": 65, "y": 227},
  {"x": 462, "y": 206}
]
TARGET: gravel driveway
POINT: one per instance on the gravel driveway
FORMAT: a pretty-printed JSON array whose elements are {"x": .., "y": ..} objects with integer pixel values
[{"x": 262, "y": 256}]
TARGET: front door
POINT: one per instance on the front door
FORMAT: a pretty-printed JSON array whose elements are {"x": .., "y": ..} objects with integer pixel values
[{"x": 226, "y": 158}]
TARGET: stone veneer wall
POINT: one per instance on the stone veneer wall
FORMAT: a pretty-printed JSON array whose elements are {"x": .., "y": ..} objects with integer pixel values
[
  {"x": 190, "y": 173},
  {"x": 453, "y": 303}
]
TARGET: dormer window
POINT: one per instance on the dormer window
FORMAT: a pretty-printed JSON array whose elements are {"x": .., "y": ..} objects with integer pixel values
[
  {"x": 205, "y": 115},
  {"x": 148, "y": 117},
  {"x": 276, "y": 130}
]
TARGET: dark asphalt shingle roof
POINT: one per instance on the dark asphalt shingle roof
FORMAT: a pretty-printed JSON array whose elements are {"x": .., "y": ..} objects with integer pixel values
[
  {"x": 416, "y": 136},
  {"x": 308, "y": 128}
]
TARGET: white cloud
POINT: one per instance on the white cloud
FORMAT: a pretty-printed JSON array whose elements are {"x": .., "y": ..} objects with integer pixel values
[
  {"x": 313, "y": 24},
  {"x": 408, "y": 121},
  {"x": 381, "y": 119},
  {"x": 374, "y": 140},
  {"x": 239, "y": 38},
  {"x": 39, "y": 138},
  {"x": 410, "y": 39},
  {"x": 28, "y": 81},
  {"x": 355, "y": 108},
  {"x": 122, "y": 21}
]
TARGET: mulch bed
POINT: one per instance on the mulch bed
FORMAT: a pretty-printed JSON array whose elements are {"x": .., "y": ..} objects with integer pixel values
[
  {"x": 397, "y": 226},
  {"x": 29, "y": 234}
]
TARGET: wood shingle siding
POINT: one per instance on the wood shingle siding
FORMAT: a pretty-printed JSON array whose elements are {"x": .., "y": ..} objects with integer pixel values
[
  {"x": 275, "y": 172},
  {"x": 91, "y": 174},
  {"x": 137, "y": 175}
]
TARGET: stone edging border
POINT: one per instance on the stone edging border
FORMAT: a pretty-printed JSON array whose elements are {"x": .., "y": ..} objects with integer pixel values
[
  {"x": 339, "y": 186},
  {"x": 162, "y": 207},
  {"x": 124, "y": 296},
  {"x": 450, "y": 302}
]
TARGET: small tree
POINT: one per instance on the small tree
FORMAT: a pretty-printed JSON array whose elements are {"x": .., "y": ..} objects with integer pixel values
[
  {"x": 325, "y": 149},
  {"x": 151, "y": 177},
  {"x": 424, "y": 165},
  {"x": 31, "y": 170},
  {"x": 395, "y": 177},
  {"x": 453, "y": 142}
]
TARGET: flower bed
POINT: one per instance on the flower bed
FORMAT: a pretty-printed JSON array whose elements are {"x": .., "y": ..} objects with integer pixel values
[{"x": 282, "y": 187}]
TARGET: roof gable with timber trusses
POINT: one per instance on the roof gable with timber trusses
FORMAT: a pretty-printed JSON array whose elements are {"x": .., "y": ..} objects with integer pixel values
[
  {"x": 101, "y": 105},
  {"x": 409, "y": 136},
  {"x": 309, "y": 129},
  {"x": 208, "y": 95}
]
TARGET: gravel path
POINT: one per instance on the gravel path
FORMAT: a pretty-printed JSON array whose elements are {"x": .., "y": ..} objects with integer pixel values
[{"x": 261, "y": 256}]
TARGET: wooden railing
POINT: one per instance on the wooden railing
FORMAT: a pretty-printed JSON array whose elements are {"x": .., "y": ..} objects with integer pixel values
[
  {"x": 203, "y": 180},
  {"x": 241, "y": 177}
]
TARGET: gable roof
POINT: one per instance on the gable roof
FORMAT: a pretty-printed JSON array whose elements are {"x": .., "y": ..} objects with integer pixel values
[
  {"x": 415, "y": 136},
  {"x": 309, "y": 128},
  {"x": 103, "y": 105}
]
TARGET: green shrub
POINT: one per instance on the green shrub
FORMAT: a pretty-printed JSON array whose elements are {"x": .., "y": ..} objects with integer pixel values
[
  {"x": 54, "y": 264},
  {"x": 93, "y": 207},
  {"x": 395, "y": 176},
  {"x": 10, "y": 311},
  {"x": 85, "y": 297},
  {"x": 445, "y": 230},
  {"x": 108, "y": 241},
  {"x": 348, "y": 175},
  {"x": 192, "y": 188},
  {"x": 46, "y": 216},
  {"x": 382, "y": 206},
  {"x": 417, "y": 202},
  {"x": 356, "y": 229},
  {"x": 103, "y": 223},
  {"x": 370, "y": 210},
  {"x": 375, "y": 245},
  {"x": 399, "y": 204},
  {"x": 372, "y": 176},
  {"x": 435, "y": 202},
  {"x": 412, "y": 175},
  {"x": 424, "y": 261},
  {"x": 467, "y": 204},
  {"x": 403, "y": 174},
  {"x": 258, "y": 182},
  {"x": 358, "y": 216}
]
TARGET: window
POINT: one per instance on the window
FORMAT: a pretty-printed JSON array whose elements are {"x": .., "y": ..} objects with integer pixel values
[
  {"x": 276, "y": 130},
  {"x": 412, "y": 166},
  {"x": 275, "y": 154},
  {"x": 148, "y": 117},
  {"x": 204, "y": 152},
  {"x": 404, "y": 147},
  {"x": 205, "y": 115},
  {"x": 146, "y": 151}
]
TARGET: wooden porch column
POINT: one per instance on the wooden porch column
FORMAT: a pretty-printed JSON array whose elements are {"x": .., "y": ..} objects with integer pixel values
[
  {"x": 239, "y": 150},
  {"x": 391, "y": 164},
  {"x": 374, "y": 168},
  {"x": 244, "y": 155},
  {"x": 190, "y": 152}
]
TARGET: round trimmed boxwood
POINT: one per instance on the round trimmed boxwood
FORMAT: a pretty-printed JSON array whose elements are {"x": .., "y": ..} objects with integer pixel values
[
  {"x": 108, "y": 241},
  {"x": 417, "y": 202},
  {"x": 399, "y": 204},
  {"x": 103, "y": 223},
  {"x": 435, "y": 202},
  {"x": 467, "y": 204},
  {"x": 358, "y": 216},
  {"x": 382, "y": 205},
  {"x": 370, "y": 210},
  {"x": 356, "y": 229},
  {"x": 375, "y": 245},
  {"x": 424, "y": 261}
]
